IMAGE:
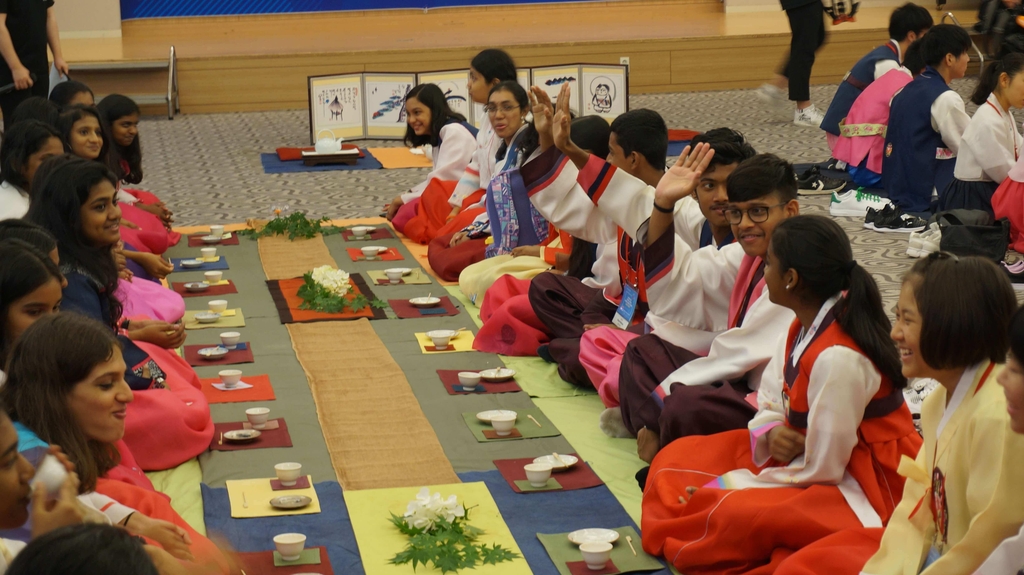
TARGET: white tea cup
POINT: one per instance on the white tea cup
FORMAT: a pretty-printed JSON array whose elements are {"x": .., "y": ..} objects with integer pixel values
[
  {"x": 288, "y": 473},
  {"x": 469, "y": 380},
  {"x": 229, "y": 339},
  {"x": 596, "y": 555},
  {"x": 538, "y": 473},
  {"x": 359, "y": 232},
  {"x": 208, "y": 253},
  {"x": 503, "y": 424},
  {"x": 290, "y": 545},
  {"x": 218, "y": 305},
  {"x": 230, "y": 377},
  {"x": 50, "y": 474},
  {"x": 217, "y": 231},
  {"x": 257, "y": 416},
  {"x": 370, "y": 253},
  {"x": 394, "y": 275},
  {"x": 213, "y": 277}
]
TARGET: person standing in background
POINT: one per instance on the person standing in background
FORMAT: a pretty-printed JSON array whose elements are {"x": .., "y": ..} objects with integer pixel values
[
  {"x": 28, "y": 27},
  {"x": 807, "y": 26}
]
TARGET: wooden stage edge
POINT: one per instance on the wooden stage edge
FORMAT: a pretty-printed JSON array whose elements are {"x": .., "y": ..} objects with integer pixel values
[{"x": 258, "y": 63}]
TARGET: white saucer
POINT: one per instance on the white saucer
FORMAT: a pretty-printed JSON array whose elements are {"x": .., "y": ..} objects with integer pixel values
[
  {"x": 563, "y": 463},
  {"x": 497, "y": 375},
  {"x": 581, "y": 536},
  {"x": 485, "y": 416}
]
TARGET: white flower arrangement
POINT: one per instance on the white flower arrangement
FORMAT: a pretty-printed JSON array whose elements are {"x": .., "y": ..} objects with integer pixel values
[
  {"x": 428, "y": 508},
  {"x": 332, "y": 279}
]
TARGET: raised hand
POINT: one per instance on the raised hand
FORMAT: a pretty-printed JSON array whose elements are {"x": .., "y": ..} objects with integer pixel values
[
  {"x": 682, "y": 178},
  {"x": 543, "y": 112},
  {"x": 562, "y": 119}
]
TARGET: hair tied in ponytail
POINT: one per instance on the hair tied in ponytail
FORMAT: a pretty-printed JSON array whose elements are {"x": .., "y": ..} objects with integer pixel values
[{"x": 849, "y": 266}]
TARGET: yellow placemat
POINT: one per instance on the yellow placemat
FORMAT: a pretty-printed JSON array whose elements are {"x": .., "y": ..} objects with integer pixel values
[
  {"x": 416, "y": 277},
  {"x": 396, "y": 158},
  {"x": 464, "y": 342},
  {"x": 212, "y": 260},
  {"x": 258, "y": 493},
  {"x": 379, "y": 540},
  {"x": 232, "y": 319}
]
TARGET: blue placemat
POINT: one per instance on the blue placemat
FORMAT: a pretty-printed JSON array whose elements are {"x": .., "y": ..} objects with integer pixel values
[
  {"x": 273, "y": 165},
  {"x": 676, "y": 148},
  {"x": 330, "y": 528},
  {"x": 221, "y": 264},
  {"x": 551, "y": 512}
]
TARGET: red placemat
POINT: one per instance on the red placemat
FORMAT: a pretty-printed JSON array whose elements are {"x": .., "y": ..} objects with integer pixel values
[
  {"x": 381, "y": 233},
  {"x": 261, "y": 390},
  {"x": 405, "y": 310},
  {"x": 262, "y": 563},
  {"x": 233, "y": 357},
  {"x": 391, "y": 255},
  {"x": 580, "y": 568},
  {"x": 300, "y": 483},
  {"x": 450, "y": 378},
  {"x": 196, "y": 241},
  {"x": 293, "y": 154},
  {"x": 179, "y": 287},
  {"x": 579, "y": 476},
  {"x": 680, "y": 135},
  {"x": 285, "y": 294},
  {"x": 268, "y": 437}
]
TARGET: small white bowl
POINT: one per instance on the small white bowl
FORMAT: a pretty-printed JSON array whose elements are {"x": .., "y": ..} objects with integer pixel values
[
  {"x": 361, "y": 231},
  {"x": 213, "y": 277},
  {"x": 257, "y": 416},
  {"x": 208, "y": 253},
  {"x": 230, "y": 377},
  {"x": 394, "y": 275},
  {"x": 596, "y": 555},
  {"x": 229, "y": 339},
  {"x": 217, "y": 230},
  {"x": 370, "y": 253},
  {"x": 469, "y": 380},
  {"x": 503, "y": 424},
  {"x": 218, "y": 305},
  {"x": 290, "y": 545},
  {"x": 51, "y": 474},
  {"x": 425, "y": 301},
  {"x": 538, "y": 473},
  {"x": 288, "y": 473},
  {"x": 196, "y": 287},
  {"x": 441, "y": 342},
  {"x": 191, "y": 263},
  {"x": 207, "y": 317}
]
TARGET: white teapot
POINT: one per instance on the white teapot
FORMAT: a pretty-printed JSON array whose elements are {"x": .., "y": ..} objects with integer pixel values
[{"x": 328, "y": 145}]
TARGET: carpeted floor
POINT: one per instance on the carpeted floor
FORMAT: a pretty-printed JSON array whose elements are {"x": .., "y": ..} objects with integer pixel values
[{"x": 207, "y": 167}]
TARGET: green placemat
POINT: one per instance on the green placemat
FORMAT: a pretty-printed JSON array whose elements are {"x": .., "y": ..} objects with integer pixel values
[
  {"x": 417, "y": 277},
  {"x": 237, "y": 320},
  {"x": 561, "y": 550},
  {"x": 527, "y": 428},
  {"x": 551, "y": 485},
  {"x": 307, "y": 557}
]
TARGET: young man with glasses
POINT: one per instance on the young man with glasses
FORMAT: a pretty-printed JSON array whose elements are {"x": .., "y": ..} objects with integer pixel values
[{"x": 667, "y": 391}]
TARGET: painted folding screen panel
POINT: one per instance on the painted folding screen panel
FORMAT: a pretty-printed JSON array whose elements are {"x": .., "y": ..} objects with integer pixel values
[
  {"x": 454, "y": 86},
  {"x": 384, "y": 100},
  {"x": 336, "y": 105}
]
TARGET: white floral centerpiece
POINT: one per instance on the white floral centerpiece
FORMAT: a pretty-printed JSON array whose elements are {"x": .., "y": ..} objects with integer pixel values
[
  {"x": 439, "y": 535},
  {"x": 332, "y": 279},
  {"x": 328, "y": 289}
]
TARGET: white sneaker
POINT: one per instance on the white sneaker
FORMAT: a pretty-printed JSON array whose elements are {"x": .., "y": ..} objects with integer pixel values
[
  {"x": 809, "y": 117},
  {"x": 924, "y": 242},
  {"x": 855, "y": 203},
  {"x": 774, "y": 96}
]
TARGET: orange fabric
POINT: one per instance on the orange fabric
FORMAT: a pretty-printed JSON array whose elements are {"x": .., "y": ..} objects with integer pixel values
[
  {"x": 681, "y": 135},
  {"x": 731, "y": 532},
  {"x": 156, "y": 506},
  {"x": 261, "y": 390},
  {"x": 431, "y": 213},
  {"x": 465, "y": 217},
  {"x": 290, "y": 291},
  {"x": 564, "y": 245},
  {"x": 883, "y": 440},
  {"x": 844, "y": 553}
]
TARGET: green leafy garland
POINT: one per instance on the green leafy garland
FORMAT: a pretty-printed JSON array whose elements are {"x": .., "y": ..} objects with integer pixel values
[
  {"x": 318, "y": 298},
  {"x": 294, "y": 225},
  {"x": 449, "y": 546}
]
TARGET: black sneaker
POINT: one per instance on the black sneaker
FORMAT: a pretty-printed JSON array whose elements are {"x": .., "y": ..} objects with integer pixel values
[
  {"x": 812, "y": 183},
  {"x": 892, "y": 219},
  {"x": 872, "y": 215}
]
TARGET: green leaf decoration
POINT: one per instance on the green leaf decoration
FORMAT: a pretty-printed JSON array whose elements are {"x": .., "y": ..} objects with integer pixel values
[
  {"x": 448, "y": 547},
  {"x": 295, "y": 225},
  {"x": 316, "y": 297}
]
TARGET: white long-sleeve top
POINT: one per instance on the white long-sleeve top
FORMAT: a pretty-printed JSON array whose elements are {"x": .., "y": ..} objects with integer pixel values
[
  {"x": 9, "y": 548},
  {"x": 13, "y": 201},
  {"x": 841, "y": 384},
  {"x": 990, "y": 145},
  {"x": 950, "y": 119},
  {"x": 882, "y": 67},
  {"x": 450, "y": 158},
  {"x": 481, "y": 166}
]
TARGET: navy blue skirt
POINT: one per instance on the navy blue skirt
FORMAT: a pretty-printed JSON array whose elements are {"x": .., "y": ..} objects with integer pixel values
[{"x": 967, "y": 196}]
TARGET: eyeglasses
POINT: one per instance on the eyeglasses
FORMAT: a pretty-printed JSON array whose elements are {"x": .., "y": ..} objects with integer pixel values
[
  {"x": 491, "y": 109},
  {"x": 757, "y": 214}
]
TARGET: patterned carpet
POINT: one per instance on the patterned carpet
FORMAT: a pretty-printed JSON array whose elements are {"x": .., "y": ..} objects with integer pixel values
[{"x": 207, "y": 167}]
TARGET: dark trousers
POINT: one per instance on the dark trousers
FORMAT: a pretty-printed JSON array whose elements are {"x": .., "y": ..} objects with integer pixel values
[
  {"x": 807, "y": 24},
  {"x": 10, "y": 100}
]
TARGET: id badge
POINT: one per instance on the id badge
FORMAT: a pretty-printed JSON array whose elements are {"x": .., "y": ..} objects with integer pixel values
[{"x": 627, "y": 307}]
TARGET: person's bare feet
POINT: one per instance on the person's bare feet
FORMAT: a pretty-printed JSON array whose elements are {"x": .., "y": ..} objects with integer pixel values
[{"x": 647, "y": 444}]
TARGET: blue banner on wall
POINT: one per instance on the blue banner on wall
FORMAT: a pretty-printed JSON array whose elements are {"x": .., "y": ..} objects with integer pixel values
[{"x": 131, "y": 9}]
